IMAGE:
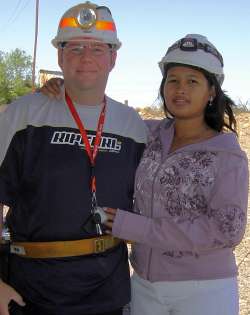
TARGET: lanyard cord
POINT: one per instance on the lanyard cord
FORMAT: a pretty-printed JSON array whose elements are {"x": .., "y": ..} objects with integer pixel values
[{"x": 91, "y": 153}]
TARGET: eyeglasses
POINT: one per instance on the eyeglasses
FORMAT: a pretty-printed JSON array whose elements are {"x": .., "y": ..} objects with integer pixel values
[
  {"x": 191, "y": 44},
  {"x": 95, "y": 49}
]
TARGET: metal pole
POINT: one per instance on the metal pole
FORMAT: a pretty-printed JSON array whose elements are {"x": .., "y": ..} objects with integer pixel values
[{"x": 35, "y": 48}]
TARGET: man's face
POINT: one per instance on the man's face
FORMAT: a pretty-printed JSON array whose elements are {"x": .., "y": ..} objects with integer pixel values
[{"x": 86, "y": 65}]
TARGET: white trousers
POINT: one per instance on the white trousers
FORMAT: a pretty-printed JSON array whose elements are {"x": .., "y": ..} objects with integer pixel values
[{"x": 205, "y": 297}]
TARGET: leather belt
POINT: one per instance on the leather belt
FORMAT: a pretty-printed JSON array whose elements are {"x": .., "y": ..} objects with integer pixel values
[{"x": 64, "y": 248}]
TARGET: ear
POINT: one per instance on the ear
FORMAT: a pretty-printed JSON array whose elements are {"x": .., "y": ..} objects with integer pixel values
[
  {"x": 60, "y": 57},
  {"x": 113, "y": 59}
]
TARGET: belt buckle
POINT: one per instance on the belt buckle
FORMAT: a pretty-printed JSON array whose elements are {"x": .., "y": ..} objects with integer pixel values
[
  {"x": 99, "y": 245},
  {"x": 18, "y": 250}
]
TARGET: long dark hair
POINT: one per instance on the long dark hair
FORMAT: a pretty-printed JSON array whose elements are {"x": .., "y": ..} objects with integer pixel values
[{"x": 219, "y": 115}]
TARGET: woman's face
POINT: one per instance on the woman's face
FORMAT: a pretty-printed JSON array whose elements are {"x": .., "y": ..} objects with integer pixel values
[{"x": 186, "y": 92}]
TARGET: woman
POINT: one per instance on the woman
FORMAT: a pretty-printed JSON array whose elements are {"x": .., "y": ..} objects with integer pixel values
[{"x": 191, "y": 191}]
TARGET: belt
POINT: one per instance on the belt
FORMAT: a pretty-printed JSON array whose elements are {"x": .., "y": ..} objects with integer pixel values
[{"x": 64, "y": 248}]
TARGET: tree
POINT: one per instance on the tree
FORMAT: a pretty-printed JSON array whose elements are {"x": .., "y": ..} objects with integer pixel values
[{"x": 15, "y": 75}]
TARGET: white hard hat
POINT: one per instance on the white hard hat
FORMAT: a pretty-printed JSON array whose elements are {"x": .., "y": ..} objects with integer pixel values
[
  {"x": 87, "y": 21},
  {"x": 195, "y": 50}
]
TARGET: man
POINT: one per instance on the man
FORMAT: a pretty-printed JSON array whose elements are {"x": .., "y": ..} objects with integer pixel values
[{"x": 61, "y": 162}]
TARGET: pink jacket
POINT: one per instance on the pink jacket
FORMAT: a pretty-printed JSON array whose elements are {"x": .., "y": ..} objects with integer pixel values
[{"x": 190, "y": 208}]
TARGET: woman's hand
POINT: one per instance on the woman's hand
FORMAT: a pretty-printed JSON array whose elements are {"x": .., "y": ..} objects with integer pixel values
[
  {"x": 111, "y": 213},
  {"x": 52, "y": 88}
]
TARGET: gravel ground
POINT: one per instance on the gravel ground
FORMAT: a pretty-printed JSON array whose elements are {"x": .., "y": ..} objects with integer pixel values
[
  {"x": 243, "y": 250},
  {"x": 243, "y": 259}
]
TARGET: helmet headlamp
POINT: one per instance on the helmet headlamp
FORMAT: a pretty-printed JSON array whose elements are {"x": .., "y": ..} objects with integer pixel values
[
  {"x": 87, "y": 16},
  {"x": 192, "y": 44}
]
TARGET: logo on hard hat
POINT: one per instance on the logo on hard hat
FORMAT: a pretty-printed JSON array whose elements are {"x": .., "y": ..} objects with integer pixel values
[{"x": 87, "y": 16}]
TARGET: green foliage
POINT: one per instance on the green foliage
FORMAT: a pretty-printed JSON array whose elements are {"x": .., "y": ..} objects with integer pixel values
[{"x": 15, "y": 75}]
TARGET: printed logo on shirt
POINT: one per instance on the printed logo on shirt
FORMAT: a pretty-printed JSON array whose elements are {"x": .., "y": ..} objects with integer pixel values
[{"x": 71, "y": 138}]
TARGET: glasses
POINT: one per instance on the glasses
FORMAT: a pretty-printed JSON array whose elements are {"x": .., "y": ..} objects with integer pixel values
[
  {"x": 96, "y": 50},
  {"x": 191, "y": 44}
]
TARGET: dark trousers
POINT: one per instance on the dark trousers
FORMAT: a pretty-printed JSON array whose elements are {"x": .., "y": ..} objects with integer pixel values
[
  {"x": 32, "y": 310},
  {"x": 116, "y": 312}
]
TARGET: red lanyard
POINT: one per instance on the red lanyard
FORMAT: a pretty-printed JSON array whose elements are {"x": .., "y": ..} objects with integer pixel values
[{"x": 91, "y": 153}]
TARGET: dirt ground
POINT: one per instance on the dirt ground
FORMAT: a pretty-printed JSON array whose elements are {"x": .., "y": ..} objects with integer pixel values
[{"x": 243, "y": 250}]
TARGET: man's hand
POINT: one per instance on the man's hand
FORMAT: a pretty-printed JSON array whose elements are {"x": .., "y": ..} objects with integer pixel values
[
  {"x": 7, "y": 294},
  {"x": 52, "y": 88}
]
